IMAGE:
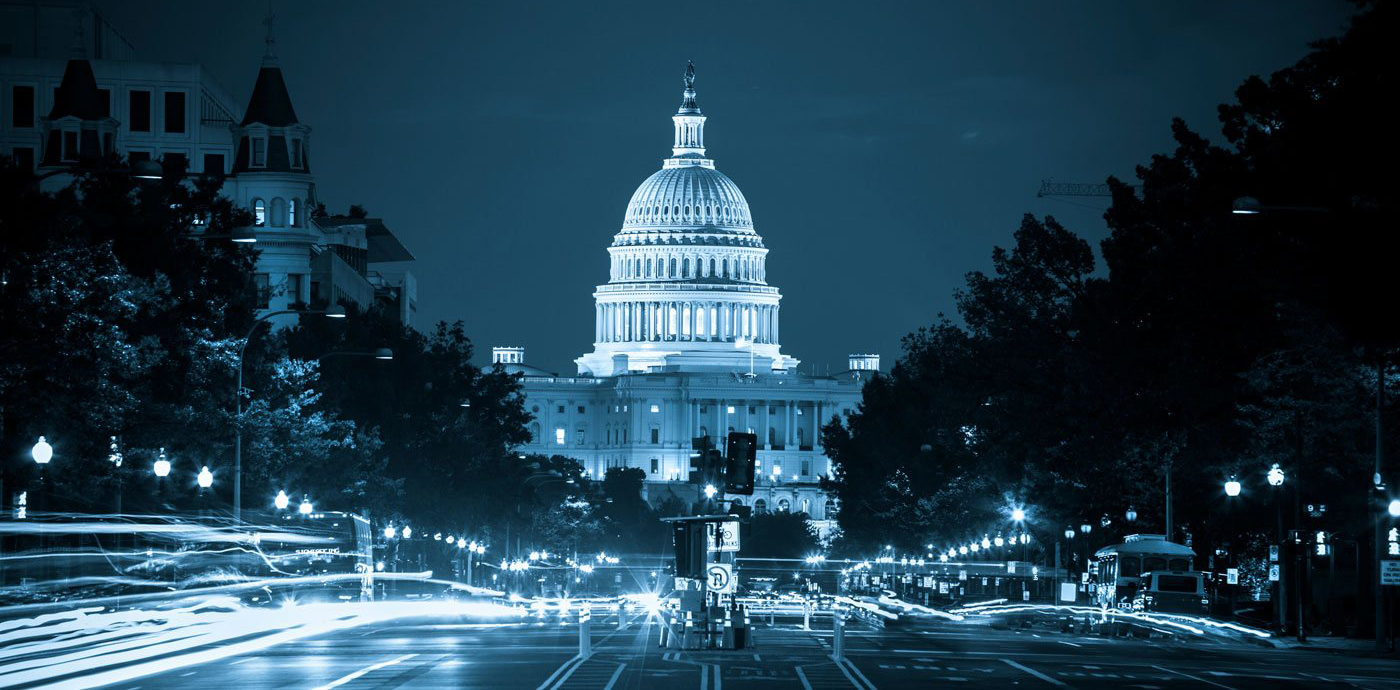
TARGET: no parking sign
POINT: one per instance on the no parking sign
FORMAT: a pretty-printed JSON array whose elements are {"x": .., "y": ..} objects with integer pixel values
[{"x": 719, "y": 577}]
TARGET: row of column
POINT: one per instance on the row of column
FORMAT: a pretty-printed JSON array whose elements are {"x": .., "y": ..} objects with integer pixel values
[
  {"x": 786, "y": 435},
  {"x": 676, "y": 321}
]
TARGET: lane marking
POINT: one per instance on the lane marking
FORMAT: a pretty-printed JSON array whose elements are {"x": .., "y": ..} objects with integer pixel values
[
  {"x": 1068, "y": 643},
  {"x": 1035, "y": 673},
  {"x": 549, "y": 682},
  {"x": 244, "y": 660},
  {"x": 856, "y": 671},
  {"x": 368, "y": 669},
  {"x": 803, "y": 678},
  {"x": 1198, "y": 680},
  {"x": 613, "y": 681}
]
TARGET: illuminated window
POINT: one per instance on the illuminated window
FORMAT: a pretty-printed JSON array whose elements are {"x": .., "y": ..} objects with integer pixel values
[
  {"x": 655, "y": 408},
  {"x": 559, "y": 436},
  {"x": 655, "y": 466},
  {"x": 729, "y": 409},
  {"x": 292, "y": 213},
  {"x": 259, "y": 212},
  {"x": 784, "y": 505},
  {"x": 579, "y": 436}
]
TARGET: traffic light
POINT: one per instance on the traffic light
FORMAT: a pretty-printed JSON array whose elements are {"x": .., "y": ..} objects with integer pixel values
[
  {"x": 690, "y": 549},
  {"x": 739, "y": 466},
  {"x": 699, "y": 457}
]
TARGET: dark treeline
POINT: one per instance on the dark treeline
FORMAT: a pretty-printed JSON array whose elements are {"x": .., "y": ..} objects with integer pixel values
[{"x": 1208, "y": 344}]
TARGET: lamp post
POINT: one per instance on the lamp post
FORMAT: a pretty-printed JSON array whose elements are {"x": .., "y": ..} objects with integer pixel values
[
  {"x": 281, "y": 501},
  {"x": 334, "y": 312},
  {"x": 1275, "y": 478}
]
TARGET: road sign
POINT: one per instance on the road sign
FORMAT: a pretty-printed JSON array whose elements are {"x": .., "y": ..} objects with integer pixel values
[
  {"x": 1273, "y": 573},
  {"x": 962, "y": 575},
  {"x": 1390, "y": 572},
  {"x": 728, "y": 535},
  {"x": 719, "y": 577},
  {"x": 1273, "y": 553},
  {"x": 1232, "y": 576},
  {"x": 1068, "y": 592}
]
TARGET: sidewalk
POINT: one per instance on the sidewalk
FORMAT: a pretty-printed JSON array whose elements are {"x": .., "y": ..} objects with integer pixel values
[{"x": 1336, "y": 645}]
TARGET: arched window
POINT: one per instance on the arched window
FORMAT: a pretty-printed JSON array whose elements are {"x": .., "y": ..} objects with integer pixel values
[
  {"x": 829, "y": 509},
  {"x": 648, "y": 273},
  {"x": 800, "y": 436},
  {"x": 535, "y": 432},
  {"x": 760, "y": 506},
  {"x": 279, "y": 212},
  {"x": 784, "y": 505},
  {"x": 712, "y": 266},
  {"x": 673, "y": 267},
  {"x": 292, "y": 213},
  {"x": 724, "y": 268},
  {"x": 772, "y": 436},
  {"x": 259, "y": 212},
  {"x": 685, "y": 268},
  {"x": 806, "y": 506}
]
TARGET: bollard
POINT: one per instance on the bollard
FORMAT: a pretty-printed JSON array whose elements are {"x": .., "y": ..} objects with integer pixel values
[
  {"x": 685, "y": 632},
  {"x": 838, "y": 636},
  {"x": 727, "y": 642},
  {"x": 622, "y": 617},
  {"x": 585, "y": 635},
  {"x": 806, "y": 615}
]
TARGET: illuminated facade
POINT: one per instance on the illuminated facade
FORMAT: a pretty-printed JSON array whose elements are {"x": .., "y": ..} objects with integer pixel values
[
  {"x": 64, "y": 109},
  {"x": 686, "y": 344}
]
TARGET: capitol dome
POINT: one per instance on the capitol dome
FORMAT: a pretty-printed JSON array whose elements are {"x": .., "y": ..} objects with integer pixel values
[
  {"x": 688, "y": 284},
  {"x": 688, "y": 197}
]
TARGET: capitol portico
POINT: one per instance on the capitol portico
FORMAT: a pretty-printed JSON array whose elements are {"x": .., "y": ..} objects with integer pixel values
[{"x": 686, "y": 344}]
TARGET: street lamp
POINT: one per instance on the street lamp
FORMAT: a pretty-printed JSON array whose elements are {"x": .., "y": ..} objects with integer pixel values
[
  {"x": 162, "y": 466},
  {"x": 407, "y": 532},
  {"x": 1131, "y": 515},
  {"x": 1275, "y": 475},
  {"x": 205, "y": 478},
  {"x": 1086, "y": 528},
  {"x": 390, "y": 532},
  {"x": 305, "y": 508},
  {"x": 42, "y": 452},
  {"x": 1069, "y": 533},
  {"x": 335, "y": 311},
  {"x": 1018, "y": 515},
  {"x": 281, "y": 500},
  {"x": 710, "y": 491},
  {"x": 1394, "y": 508},
  {"x": 1232, "y": 488}
]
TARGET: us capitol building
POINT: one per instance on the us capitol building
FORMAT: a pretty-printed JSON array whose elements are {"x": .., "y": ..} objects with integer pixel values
[{"x": 686, "y": 344}]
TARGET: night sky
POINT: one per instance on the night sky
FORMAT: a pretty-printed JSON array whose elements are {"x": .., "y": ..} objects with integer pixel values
[{"x": 884, "y": 148}]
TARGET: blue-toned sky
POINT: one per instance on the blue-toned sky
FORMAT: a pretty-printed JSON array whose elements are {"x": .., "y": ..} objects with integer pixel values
[{"x": 884, "y": 148}]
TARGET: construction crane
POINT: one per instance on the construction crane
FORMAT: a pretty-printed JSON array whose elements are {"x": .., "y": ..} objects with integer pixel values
[{"x": 1050, "y": 188}]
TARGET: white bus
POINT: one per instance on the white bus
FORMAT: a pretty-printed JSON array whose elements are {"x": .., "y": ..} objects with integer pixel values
[{"x": 1117, "y": 570}]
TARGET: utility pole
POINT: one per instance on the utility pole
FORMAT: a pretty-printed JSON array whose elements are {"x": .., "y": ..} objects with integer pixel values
[{"x": 1373, "y": 500}]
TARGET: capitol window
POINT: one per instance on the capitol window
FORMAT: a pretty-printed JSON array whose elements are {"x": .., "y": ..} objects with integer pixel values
[
  {"x": 259, "y": 212},
  {"x": 559, "y": 436},
  {"x": 655, "y": 408},
  {"x": 784, "y": 505}
]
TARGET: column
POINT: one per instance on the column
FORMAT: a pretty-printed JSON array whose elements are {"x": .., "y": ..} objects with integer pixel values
[{"x": 597, "y": 323}]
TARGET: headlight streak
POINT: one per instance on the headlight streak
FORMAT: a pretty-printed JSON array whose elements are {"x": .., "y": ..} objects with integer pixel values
[
  {"x": 1181, "y": 622},
  {"x": 159, "y": 640}
]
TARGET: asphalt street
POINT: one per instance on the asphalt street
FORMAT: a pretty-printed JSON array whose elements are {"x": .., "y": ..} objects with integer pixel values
[{"x": 446, "y": 654}]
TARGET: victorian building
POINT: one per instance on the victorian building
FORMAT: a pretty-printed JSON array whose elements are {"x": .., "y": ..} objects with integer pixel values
[
  {"x": 70, "y": 113},
  {"x": 687, "y": 344}
]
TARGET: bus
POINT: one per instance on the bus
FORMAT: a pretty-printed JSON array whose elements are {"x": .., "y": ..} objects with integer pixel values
[
  {"x": 1117, "y": 570},
  {"x": 325, "y": 544}
]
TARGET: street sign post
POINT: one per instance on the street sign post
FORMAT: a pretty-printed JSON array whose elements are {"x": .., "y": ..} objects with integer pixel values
[
  {"x": 1232, "y": 576},
  {"x": 1390, "y": 572},
  {"x": 719, "y": 577},
  {"x": 1273, "y": 573},
  {"x": 722, "y": 536}
]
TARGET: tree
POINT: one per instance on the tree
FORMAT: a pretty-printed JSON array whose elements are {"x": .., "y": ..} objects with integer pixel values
[{"x": 779, "y": 535}]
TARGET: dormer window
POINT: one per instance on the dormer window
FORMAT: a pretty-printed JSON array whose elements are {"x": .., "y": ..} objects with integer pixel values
[
  {"x": 296, "y": 154},
  {"x": 259, "y": 152}
]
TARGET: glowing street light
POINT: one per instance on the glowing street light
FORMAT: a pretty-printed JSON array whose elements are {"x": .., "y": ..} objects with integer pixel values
[
  {"x": 305, "y": 508},
  {"x": 1232, "y": 487},
  {"x": 1069, "y": 533},
  {"x": 1394, "y": 508},
  {"x": 281, "y": 501},
  {"x": 407, "y": 532},
  {"x": 42, "y": 452},
  {"x": 1018, "y": 515},
  {"x": 162, "y": 466},
  {"x": 710, "y": 491},
  {"x": 986, "y": 543},
  {"x": 1275, "y": 475},
  {"x": 1131, "y": 515},
  {"x": 205, "y": 478},
  {"x": 450, "y": 540},
  {"x": 1086, "y": 528},
  {"x": 999, "y": 541},
  {"x": 390, "y": 532}
]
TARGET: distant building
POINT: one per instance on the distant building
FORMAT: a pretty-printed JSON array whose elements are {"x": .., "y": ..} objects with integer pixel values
[
  {"x": 61, "y": 112},
  {"x": 686, "y": 344}
]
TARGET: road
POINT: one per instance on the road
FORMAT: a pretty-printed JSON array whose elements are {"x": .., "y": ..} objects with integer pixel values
[{"x": 450, "y": 654}]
